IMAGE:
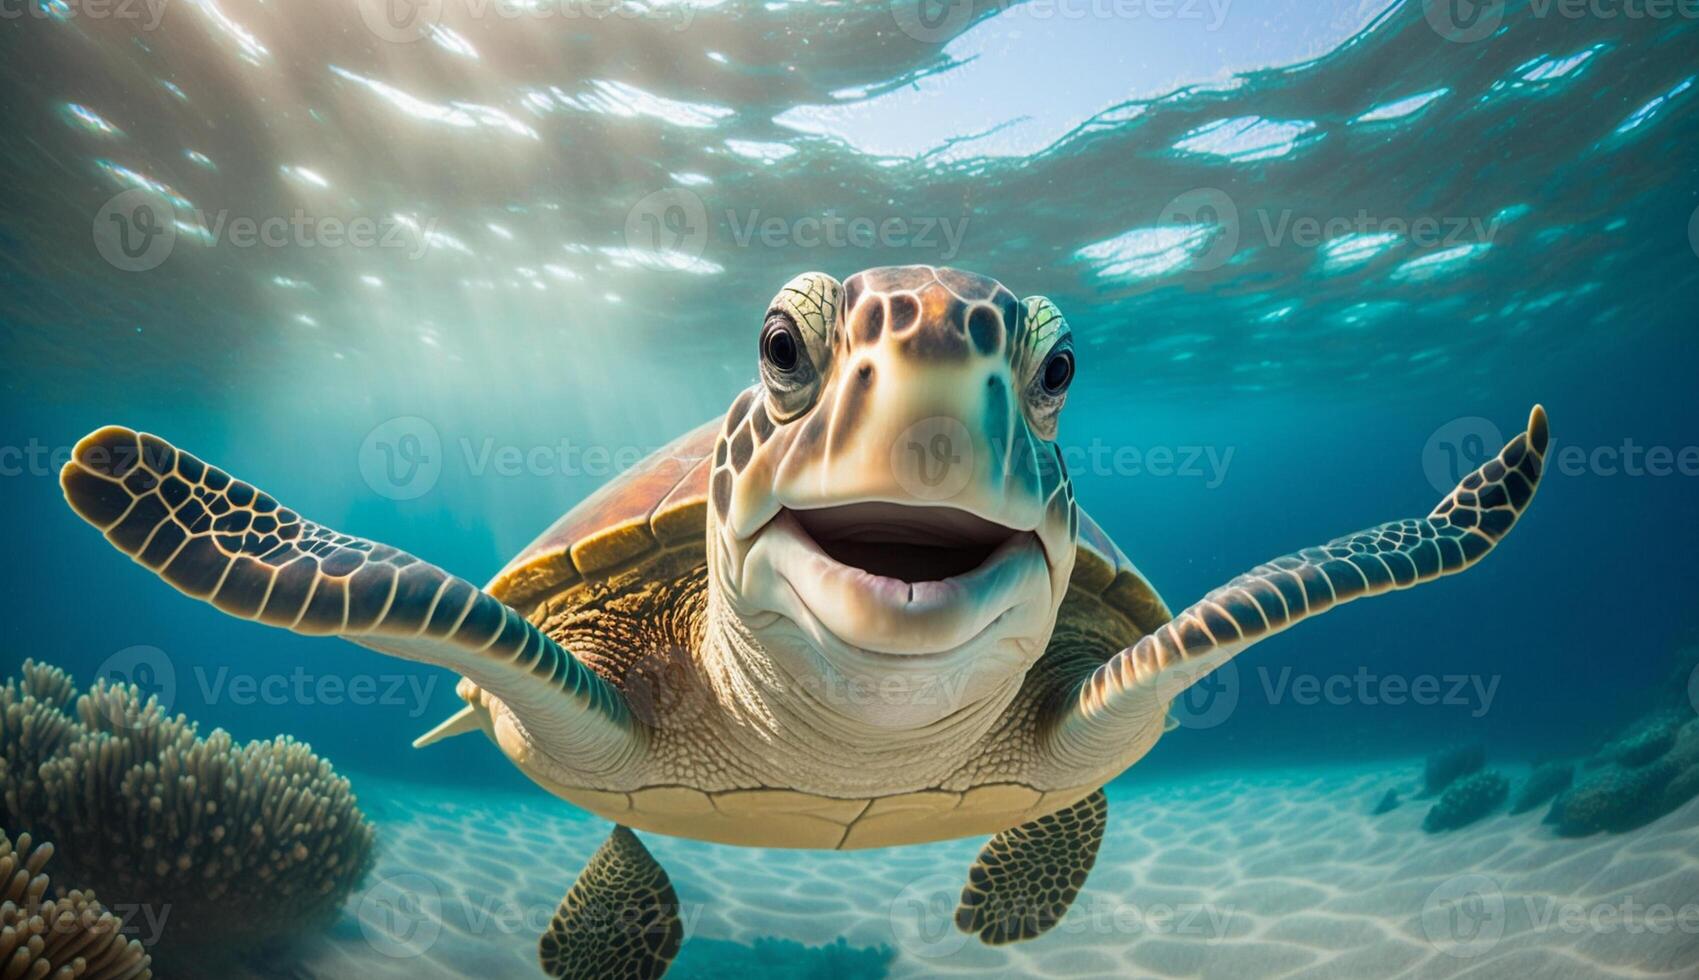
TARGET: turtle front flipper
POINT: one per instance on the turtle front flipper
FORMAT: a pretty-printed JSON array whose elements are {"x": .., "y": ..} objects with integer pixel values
[
  {"x": 1120, "y": 706},
  {"x": 222, "y": 541},
  {"x": 619, "y": 920},
  {"x": 1025, "y": 878}
]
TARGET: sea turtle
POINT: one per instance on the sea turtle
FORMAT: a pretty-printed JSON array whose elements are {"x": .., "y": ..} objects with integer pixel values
[{"x": 861, "y": 610}]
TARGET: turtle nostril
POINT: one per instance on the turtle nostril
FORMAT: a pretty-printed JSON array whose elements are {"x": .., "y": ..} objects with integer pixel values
[{"x": 864, "y": 372}]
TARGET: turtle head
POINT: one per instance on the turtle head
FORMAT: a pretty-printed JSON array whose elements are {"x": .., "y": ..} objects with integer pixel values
[{"x": 892, "y": 527}]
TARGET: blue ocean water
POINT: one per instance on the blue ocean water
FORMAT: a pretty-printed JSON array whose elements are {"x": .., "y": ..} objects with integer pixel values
[{"x": 1318, "y": 263}]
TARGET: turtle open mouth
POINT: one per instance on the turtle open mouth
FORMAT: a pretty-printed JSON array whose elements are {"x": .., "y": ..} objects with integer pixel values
[{"x": 904, "y": 542}]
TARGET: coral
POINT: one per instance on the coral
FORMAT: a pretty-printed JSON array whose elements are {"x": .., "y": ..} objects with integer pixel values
[
  {"x": 1387, "y": 804},
  {"x": 61, "y": 937},
  {"x": 33, "y": 728},
  {"x": 1467, "y": 800},
  {"x": 1646, "y": 740},
  {"x": 1684, "y": 787},
  {"x": 1611, "y": 798},
  {"x": 1444, "y": 767},
  {"x": 244, "y": 844},
  {"x": 1542, "y": 784}
]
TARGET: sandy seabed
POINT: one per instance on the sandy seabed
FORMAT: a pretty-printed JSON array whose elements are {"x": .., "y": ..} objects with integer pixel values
[{"x": 1277, "y": 873}]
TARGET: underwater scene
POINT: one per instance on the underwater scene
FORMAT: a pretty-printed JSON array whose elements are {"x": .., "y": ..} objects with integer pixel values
[{"x": 801, "y": 489}]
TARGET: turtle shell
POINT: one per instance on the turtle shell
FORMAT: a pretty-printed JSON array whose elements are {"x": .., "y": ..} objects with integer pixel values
[
  {"x": 661, "y": 504},
  {"x": 658, "y": 505}
]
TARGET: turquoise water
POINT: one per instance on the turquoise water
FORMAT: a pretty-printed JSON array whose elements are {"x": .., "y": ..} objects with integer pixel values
[{"x": 1318, "y": 260}]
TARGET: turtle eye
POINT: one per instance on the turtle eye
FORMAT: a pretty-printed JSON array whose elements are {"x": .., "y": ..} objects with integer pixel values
[
  {"x": 779, "y": 347},
  {"x": 1044, "y": 363},
  {"x": 796, "y": 344},
  {"x": 787, "y": 368},
  {"x": 1058, "y": 372}
]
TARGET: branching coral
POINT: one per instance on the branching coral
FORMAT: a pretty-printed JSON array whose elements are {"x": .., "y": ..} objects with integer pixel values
[
  {"x": 58, "y": 938},
  {"x": 242, "y": 844},
  {"x": 33, "y": 728}
]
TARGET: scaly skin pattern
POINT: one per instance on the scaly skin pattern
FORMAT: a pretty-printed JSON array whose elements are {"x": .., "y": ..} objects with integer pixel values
[{"x": 708, "y": 774}]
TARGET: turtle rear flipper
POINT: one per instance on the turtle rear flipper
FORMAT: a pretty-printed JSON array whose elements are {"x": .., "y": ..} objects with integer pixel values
[
  {"x": 1025, "y": 878},
  {"x": 222, "y": 541},
  {"x": 620, "y": 919}
]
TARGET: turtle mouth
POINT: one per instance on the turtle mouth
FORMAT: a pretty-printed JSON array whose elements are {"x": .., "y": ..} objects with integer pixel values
[
  {"x": 904, "y": 542},
  {"x": 898, "y": 579}
]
